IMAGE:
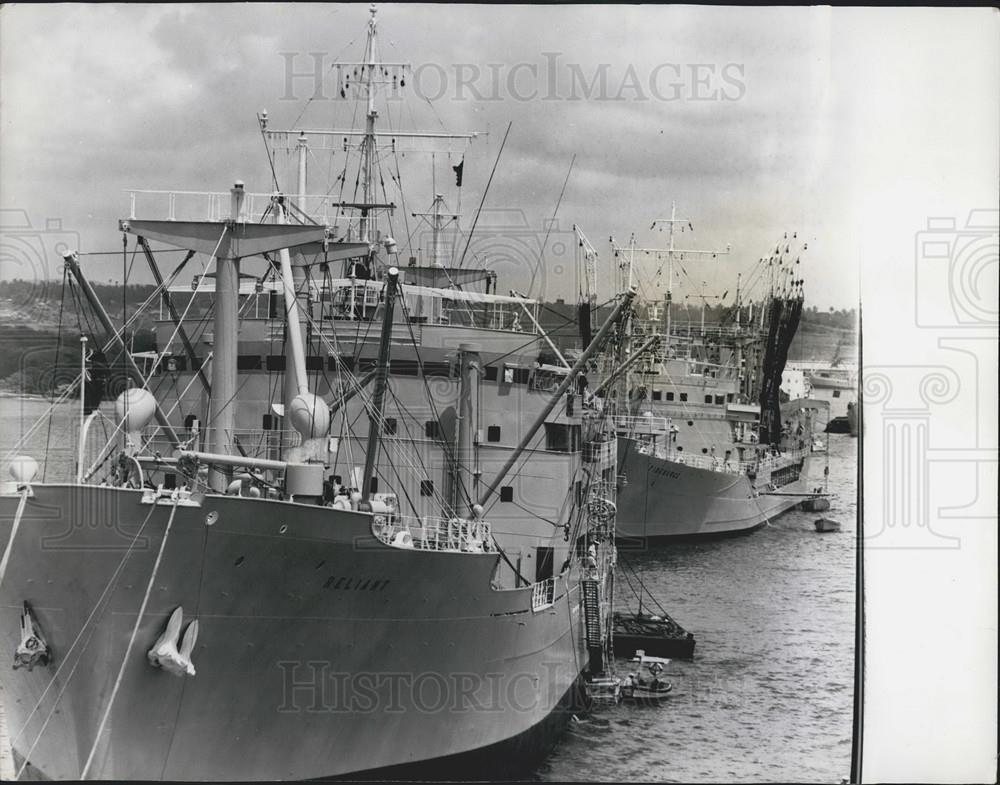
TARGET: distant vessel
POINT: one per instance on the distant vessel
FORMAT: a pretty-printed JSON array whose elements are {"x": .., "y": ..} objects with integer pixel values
[
  {"x": 833, "y": 383},
  {"x": 346, "y": 523},
  {"x": 707, "y": 450}
]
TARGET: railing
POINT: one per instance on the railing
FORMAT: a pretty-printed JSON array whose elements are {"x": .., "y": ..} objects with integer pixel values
[
  {"x": 543, "y": 594},
  {"x": 600, "y": 452},
  {"x": 452, "y": 535},
  {"x": 347, "y": 331},
  {"x": 645, "y": 426},
  {"x": 717, "y": 464},
  {"x": 256, "y": 442},
  {"x": 441, "y": 310},
  {"x": 217, "y": 206}
]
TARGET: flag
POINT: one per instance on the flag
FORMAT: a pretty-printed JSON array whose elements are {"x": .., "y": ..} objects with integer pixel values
[{"x": 458, "y": 172}]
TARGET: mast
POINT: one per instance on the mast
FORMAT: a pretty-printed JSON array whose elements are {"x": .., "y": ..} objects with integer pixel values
[
  {"x": 302, "y": 149},
  {"x": 83, "y": 403},
  {"x": 381, "y": 379},
  {"x": 670, "y": 278},
  {"x": 222, "y": 404},
  {"x": 368, "y": 147},
  {"x": 293, "y": 279},
  {"x": 466, "y": 454},
  {"x": 672, "y": 251},
  {"x": 436, "y": 232}
]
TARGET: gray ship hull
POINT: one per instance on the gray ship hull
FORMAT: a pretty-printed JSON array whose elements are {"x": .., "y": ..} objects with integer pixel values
[
  {"x": 321, "y": 651},
  {"x": 665, "y": 499}
]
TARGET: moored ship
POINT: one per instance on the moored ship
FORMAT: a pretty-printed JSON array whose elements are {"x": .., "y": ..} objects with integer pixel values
[
  {"x": 707, "y": 450},
  {"x": 318, "y": 536}
]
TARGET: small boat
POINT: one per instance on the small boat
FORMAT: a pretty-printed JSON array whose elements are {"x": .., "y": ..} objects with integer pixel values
[
  {"x": 827, "y": 525},
  {"x": 816, "y": 504},
  {"x": 660, "y": 635},
  {"x": 639, "y": 687},
  {"x": 839, "y": 425}
]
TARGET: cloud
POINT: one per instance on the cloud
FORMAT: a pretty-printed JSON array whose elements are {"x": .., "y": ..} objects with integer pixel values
[{"x": 814, "y": 109}]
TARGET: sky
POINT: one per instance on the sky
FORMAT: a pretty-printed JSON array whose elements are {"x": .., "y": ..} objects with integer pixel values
[
  {"x": 871, "y": 133},
  {"x": 757, "y": 122}
]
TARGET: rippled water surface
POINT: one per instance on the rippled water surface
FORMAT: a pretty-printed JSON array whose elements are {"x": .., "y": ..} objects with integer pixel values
[{"x": 769, "y": 695}]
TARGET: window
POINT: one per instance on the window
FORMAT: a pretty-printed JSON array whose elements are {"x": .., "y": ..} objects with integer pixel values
[
  {"x": 670, "y": 396},
  {"x": 248, "y": 362},
  {"x": 657, "y": 395},
  {"x": 506, "y": 493},
  {"x": 432, "y": 429},
  {"x": 427, "y": 487},
  {"x": 562, "y": 438},
  {"x": 314, "y": 363},
  {"x": 389, "y": 426},
  {"x": 491, "y": 373},
  {"x": 729, "y": 397},
  {"x": 276, "y": 362},
  {"x": 521, "y": 375},
  {"x": 708, "y": 399},
  {"x": 720, "y": 399},
  {"x": 836, "y": 393},
  {"x": 684, "y": 397},
  {"x": 493, "y": 433},
  {"x": 373, "y": 485}
]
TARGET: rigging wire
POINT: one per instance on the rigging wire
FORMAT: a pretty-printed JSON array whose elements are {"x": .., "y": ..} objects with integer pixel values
[{"x": 485, "y": 192}]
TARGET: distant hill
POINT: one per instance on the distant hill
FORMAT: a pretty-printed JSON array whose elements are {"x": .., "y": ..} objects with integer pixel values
[{"x": 30, "y": 317}]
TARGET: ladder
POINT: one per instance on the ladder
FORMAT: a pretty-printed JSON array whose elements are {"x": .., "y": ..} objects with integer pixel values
[{"x": 592, "y": 614}]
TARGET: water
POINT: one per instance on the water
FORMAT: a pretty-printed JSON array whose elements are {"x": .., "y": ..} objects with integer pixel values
[{"x": 769, "y": 695}]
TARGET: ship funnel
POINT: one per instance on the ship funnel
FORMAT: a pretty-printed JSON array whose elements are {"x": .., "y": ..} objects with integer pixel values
[{"x": 309, "y": 416}]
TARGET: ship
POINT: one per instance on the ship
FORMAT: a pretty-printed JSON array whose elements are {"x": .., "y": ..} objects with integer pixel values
[
  {"x": 833, "y": 385},
  {"x": 342, "y": 524},
  {"x": 705, "y": 449}
]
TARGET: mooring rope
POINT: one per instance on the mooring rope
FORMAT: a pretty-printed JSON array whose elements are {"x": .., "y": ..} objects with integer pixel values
[
  {"x": 128, "y": 649},
  {"x": 13, "y": 532}
]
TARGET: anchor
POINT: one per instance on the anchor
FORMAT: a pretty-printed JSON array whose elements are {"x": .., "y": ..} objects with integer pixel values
[
  {"x": 33, "y": 650},
  {"x": 165, "y": 653}
]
